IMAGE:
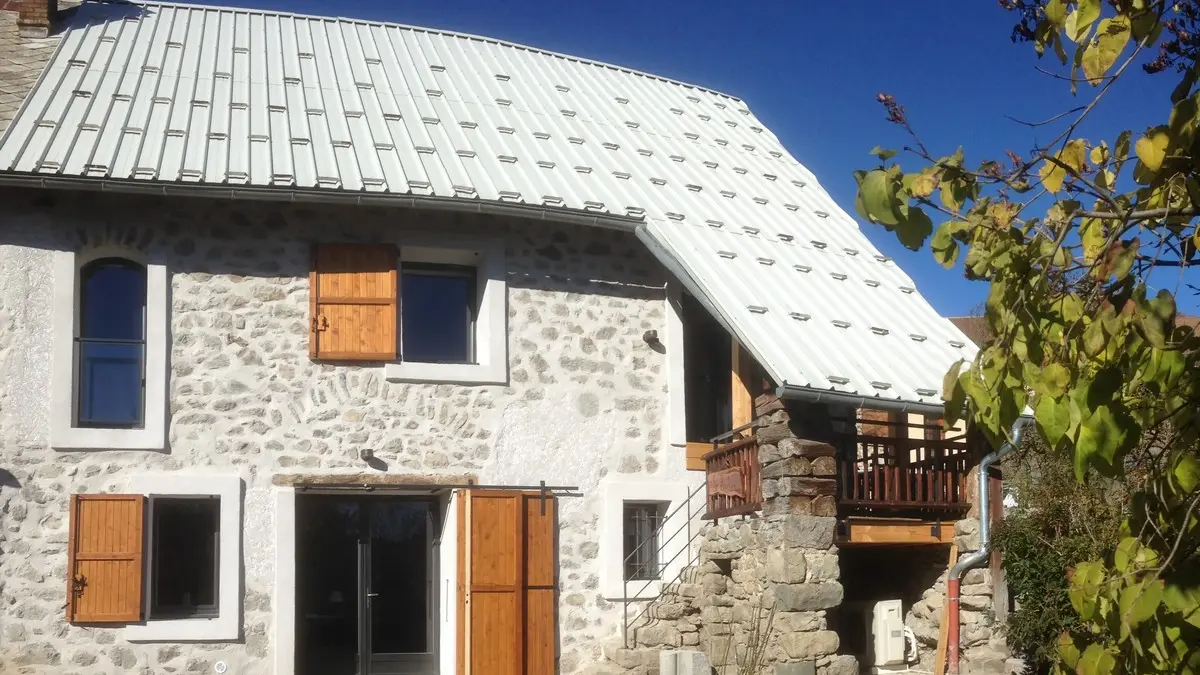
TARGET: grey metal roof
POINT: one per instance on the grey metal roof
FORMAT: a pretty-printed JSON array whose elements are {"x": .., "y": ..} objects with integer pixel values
[{"x": 180, "y": 94}]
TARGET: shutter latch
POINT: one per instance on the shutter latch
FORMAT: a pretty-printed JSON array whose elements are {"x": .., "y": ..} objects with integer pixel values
[
  {"x": 78, "y": 584},
  {"x": 320, "y": 323}
]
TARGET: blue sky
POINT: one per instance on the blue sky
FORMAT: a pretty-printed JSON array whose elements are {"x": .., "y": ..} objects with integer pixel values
[{"x": 810, "y": 71}]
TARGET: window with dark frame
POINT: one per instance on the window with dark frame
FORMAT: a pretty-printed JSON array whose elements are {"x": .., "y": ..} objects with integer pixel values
[
  {"x": 438, "y": 309},
  {"x": 642, "y": 522},
  {"x": 110, "y": 345},
  {"x": 707, "y": 352},
  {"x": 184, "y": 563}
]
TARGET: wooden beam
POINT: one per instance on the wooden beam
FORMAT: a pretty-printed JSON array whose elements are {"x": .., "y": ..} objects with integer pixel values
[
  {"x": 939, "y": 656},
  {"x": 695, "y": 455},
  {"x": 902, "y": 532},
  {"x": 742, "y": 400}
]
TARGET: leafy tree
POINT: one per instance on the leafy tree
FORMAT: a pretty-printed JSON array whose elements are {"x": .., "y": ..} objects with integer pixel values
[{"x": 1085, "y": 243}]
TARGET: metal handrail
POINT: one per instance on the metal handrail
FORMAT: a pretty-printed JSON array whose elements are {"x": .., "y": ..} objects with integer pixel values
[{"x": 663, "y": 542}]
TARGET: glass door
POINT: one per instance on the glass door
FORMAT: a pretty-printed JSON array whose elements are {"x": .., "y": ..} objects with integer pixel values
[{"x": 398, "y": 582}]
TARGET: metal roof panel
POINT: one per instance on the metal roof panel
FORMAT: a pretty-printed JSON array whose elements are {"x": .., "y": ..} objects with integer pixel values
[{"x": 173, "y": 92}]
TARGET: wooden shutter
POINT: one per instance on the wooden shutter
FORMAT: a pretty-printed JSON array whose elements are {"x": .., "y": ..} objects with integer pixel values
[
  {"x": 104, "y": 565},
  {"x": 507, "y": 583},
  {"x": 353, "y": 291}
]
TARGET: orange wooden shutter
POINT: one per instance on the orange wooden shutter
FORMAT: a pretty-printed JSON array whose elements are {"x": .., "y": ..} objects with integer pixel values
[
  {"x": 104, "y": 566},
  {"x": 508, "y": 584},
  {"x": 353, "y": 291}
]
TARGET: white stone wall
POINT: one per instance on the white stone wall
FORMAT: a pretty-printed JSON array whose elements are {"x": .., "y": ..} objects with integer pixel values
[{"x": 586, "y": 398}]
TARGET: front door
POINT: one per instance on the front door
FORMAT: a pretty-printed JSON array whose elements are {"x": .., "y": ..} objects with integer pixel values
[{"x": 365, "y": 579}]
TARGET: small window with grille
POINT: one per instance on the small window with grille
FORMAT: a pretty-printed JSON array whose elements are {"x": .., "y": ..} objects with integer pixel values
[{"x": 643, "y": 522}]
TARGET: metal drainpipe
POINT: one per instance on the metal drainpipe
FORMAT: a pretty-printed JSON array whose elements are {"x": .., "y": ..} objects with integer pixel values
[{"x": 970, "y": 560}]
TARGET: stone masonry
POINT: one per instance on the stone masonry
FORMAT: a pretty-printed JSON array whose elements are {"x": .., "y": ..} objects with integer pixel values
[
  {"x": 771, "y": 577},
  {"x": 983, "y": 640},
  {"x": 585, "y": 399}
]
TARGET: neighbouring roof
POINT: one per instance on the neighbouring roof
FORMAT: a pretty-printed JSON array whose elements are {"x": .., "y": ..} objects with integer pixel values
[
  {"x": 168, "y": 94},
  {"x": 21, "y": 61},
  {"x": 976, "y": 328}
]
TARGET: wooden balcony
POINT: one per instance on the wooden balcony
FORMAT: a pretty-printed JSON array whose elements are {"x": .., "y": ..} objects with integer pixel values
[
  {"x": 886, "y": 475},
  {"x": 734, "y": 479}
]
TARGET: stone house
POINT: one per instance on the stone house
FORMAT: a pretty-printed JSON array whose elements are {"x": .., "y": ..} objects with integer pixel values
[{"x": 339, "y": 347}]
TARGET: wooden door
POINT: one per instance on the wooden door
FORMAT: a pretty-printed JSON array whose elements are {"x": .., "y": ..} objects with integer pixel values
[{"x": 507, "y": 583}]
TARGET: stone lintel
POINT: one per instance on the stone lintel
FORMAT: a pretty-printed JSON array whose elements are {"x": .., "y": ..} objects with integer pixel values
[{"x": 371, "y": 480}]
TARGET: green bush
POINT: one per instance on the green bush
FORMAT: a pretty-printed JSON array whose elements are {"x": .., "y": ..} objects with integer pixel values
[{"x": 1057, "y": 523}]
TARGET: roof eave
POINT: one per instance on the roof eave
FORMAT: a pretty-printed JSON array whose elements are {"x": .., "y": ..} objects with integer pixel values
[{"x": 312, "y": 196}]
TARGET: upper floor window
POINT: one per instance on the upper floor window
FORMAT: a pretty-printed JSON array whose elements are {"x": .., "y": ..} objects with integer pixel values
[
  {"x": 111, "y": 345},
  {"x": 438, "y": 308},
  {"x": 431, "y": 313},
  {"x": 707, "y": 351}
]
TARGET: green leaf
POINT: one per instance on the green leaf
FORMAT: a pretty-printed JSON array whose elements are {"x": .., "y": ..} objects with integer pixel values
[
  {"x": 1125, "y": 553},
  {"x": 923, "y": 184},
  {"x": 954, "y": 393},
  {"x": 1053, "y": 417},
  {"x": 1080, "y": 21},
  {"x": 1095, "y": 661},
  {"x": 1094, "y": 237},
  {"x": 945, "y": 248},
  {"x": 1102, "y": 436},
  {"x": 878, "y": 201},
  {"x": 1187, "y": 472},
  {"x": 1183, "y": 601},
  {"x": 1052, "y": 176},
  {"x": 1146, "y": 28},
  {"x": 1140, "y": 601},
  {"x": 1152, "y": 148},
  {"x": 882, "y": 153},
  {"x": 1121, "y": 149},
  {"x": 1157, "y": 318},
  {"x": 1102, "y": 52},
  {"x": 1067, "y": 650},
  {"x": 1093, "y": 339},
  {"x": 1056, "y": 378},
  {"x": 915, "y": 229},
  {"x": 1056, "y": 13}
]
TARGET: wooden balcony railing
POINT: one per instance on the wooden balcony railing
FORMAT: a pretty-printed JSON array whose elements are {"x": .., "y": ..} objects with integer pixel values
[
  {"x": 898, "y": 474},
  {"x": 734, "y": 479}
]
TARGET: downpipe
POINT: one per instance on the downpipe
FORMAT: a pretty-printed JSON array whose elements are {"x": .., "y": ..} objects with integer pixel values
[{"x": 954, "y": 581}]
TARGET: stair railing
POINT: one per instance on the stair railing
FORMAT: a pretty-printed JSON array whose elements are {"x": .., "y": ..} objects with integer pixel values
[{"x": 691, "y": 511}]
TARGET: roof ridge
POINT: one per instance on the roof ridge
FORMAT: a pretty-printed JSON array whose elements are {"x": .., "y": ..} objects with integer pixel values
[{"x": 426, "y": 29}]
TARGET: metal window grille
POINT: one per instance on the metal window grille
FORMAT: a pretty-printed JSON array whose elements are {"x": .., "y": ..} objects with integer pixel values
[{"x": 643, "y": 521}]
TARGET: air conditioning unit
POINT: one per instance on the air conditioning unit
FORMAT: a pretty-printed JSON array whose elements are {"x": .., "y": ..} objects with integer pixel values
[{"x": 885, "y": 637}]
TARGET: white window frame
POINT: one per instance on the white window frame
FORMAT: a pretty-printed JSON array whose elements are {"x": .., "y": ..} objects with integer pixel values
[
  {"x": 227, "y": 625},
  {"x": 491, "y": 332},
  {"x": 64, "y": 434},
  {"x": 614, "y": 495}
]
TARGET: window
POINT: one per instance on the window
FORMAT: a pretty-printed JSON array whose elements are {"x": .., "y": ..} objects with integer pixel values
[
  {"x": 179, "y": 582},
  {"x": 707, "y": 375},
  {"x": 111, "y": 345},
  {"x": 109, "y": 368},
  {"x": 184, "y": 574},
  {"x": 431, "y": 313},
  {"x": 643, "y": 524},
  {"x": 643, "y": 532},
  {"x": 438, "y": 309}
]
